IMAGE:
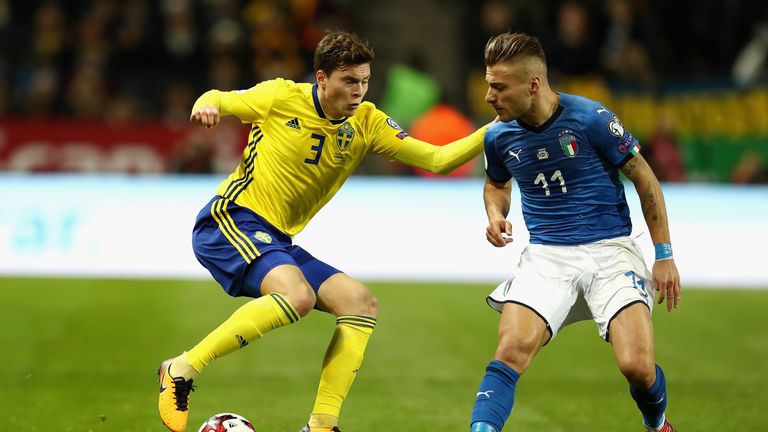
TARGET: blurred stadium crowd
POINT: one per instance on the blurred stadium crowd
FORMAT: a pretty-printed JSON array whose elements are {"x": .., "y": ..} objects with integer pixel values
[
  {"x": 145, "y": 59},
  {"x": 690, "y": 78}
]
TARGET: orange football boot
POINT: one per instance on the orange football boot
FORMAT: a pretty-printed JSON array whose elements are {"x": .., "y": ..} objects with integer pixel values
[
  {"x": 666, "y": 427},
  {"x": 174, "y": 398}
]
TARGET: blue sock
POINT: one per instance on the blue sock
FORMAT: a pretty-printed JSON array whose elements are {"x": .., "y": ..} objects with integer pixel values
[
  {"x": 482, "y": 427},
  {"x": 653, "y": 401},
  {"x": 495, "y": 397}
]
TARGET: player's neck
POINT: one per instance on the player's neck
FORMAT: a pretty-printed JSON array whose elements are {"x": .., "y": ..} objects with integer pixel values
[
  {"x": 543, "y": 109},
  {"x": 327, "y": 107}
]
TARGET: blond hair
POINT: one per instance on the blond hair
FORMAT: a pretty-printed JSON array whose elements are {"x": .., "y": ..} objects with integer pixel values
[{"x": 513, "y": 46}]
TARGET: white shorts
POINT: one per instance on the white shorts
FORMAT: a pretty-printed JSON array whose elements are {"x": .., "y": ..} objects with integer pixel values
[{"x": 565, "y": 284}]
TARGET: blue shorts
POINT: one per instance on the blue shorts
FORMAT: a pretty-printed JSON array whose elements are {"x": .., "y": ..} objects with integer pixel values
[{"x": 239, "y": 248}]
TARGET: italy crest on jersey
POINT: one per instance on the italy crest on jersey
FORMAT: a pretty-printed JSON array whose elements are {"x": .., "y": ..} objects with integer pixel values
[
  {"x": 568, "y": 143},
  {"x": 344, "y": 136}
]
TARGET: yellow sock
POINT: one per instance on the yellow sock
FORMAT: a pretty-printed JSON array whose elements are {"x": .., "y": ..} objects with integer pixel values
[
  {"x": 320, "y": 429},
  {"x": 340, "y": 366},
  {"x": 180, "y": 367},
  {"x": 250, "y": 322},
  {"x": 322, "y": 422}
]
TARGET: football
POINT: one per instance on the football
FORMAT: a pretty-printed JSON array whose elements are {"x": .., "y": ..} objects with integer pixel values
[{"x": 226, "y": 422}]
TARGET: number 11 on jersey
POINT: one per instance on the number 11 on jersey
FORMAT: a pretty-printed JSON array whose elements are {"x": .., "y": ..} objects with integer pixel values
[{"x": 556, "y": 176}]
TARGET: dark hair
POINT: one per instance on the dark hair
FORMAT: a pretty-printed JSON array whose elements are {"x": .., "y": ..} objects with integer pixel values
[
  {"x": 510, "y": 46},
  {"x": 338, "y": 49}
]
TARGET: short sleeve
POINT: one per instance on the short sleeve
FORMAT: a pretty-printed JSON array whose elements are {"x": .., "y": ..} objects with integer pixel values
[
  {"x": 608, "y": 135},
  {"x": 494, "y": 165}
]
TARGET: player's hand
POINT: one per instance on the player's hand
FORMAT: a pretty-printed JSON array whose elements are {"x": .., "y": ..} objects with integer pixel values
[
  {"x": 499, "y": 232},
  {"x": 667, "y": 282},
  {"x": 207, "y": 116}
]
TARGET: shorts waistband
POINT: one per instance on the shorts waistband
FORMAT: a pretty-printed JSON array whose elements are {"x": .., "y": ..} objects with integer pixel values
[{"x": 283, "y": 237}]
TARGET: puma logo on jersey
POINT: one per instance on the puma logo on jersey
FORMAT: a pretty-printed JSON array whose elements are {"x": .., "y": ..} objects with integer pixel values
[
  {"x": 293, "y": 123},
  {"x": 485, "y": 393},
  {"x": 516, "y": 155},
  {"x": 601, "y": 110}
]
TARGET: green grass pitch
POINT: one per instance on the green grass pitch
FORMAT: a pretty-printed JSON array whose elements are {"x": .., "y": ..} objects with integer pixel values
[{"x": 81, "y": 355}]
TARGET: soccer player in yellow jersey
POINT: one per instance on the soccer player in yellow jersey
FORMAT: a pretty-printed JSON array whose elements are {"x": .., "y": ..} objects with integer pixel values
[{"x": 305, "y": 141}]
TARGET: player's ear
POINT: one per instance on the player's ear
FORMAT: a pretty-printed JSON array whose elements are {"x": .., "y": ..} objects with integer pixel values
[
  {"x": 321, "y": 78},
  {"x": 535, "y": 84}
]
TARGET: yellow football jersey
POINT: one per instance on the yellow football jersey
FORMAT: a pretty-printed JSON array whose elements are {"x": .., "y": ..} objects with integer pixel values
[{"x": 296, "y": 158}]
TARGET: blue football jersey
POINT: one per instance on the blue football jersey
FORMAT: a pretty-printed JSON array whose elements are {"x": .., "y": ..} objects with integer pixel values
[{"x": 567, "y": 170}]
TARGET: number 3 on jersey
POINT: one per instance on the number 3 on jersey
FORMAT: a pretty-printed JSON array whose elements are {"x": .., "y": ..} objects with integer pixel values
[
  {"x": 556, "y": 176},
  {"x": 318, "y": 149}
]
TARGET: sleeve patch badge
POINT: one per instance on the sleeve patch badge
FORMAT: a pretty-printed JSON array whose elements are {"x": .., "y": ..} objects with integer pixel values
[
  {"x": 625, "y": 144},
  {"x": 393, "y": 124},
  {"x": 616, "y": 128}
]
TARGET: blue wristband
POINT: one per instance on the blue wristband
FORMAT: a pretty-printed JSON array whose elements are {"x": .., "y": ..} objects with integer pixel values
[{"x": 663, "y": 251}]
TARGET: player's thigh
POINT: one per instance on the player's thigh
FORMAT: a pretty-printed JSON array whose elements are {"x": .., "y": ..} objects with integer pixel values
[
  {"x": 522, "y": 333},
  {"x": 343, "y": 295},
  {"x": 544, "y": 282},
  {"x": 632, "y": 331},
  {"x": 337, "y": 293},
  {"x": 276, "y": 271},
  {"x": 287, "y": 280},
  {"x": 632, "y": 342},
  {"x": 315, "y": 270},
  {"x": 239, "y": 248}
]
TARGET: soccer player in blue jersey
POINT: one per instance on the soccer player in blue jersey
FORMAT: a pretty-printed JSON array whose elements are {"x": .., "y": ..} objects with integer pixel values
[
  {"x": 305, "y": 141},
  {"x": 565, "y": 152}
]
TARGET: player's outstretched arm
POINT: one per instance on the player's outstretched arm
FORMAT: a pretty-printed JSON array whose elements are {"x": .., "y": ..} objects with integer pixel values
[
  {"x": 666, "y": 278},
  {"x": 497, "y": 198},
  {"x": 207, "y": 116},
  {"x": 246, "y": 105},
  {"x": 205, "y": 111},
  {"x": 440, "y": 159}
]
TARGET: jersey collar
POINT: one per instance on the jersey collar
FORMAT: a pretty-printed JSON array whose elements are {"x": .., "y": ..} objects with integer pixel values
[
  {"x": 319, "y": 108},
  {"x": 545, "y": 125}
]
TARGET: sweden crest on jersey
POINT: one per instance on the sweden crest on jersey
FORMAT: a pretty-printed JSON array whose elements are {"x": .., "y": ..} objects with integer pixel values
[
  {"x": 263, "y": 237},
  {"x": 344, "y": 136}
]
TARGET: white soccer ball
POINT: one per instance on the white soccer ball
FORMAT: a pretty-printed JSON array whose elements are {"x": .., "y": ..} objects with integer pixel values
[{"x": 227, "y": 422}]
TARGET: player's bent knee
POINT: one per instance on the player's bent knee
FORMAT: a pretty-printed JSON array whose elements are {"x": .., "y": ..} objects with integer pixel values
[
  {"x": 369, "y": 305},
  {"x": 347, "y": 297},
  {"x": 302, "y": 298},
  {"x": 516, "y": 362},
  {"x": 363, "y": 303},
  {"x": 640, "y": 372},
  {"x": 516, "y": 353}
]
